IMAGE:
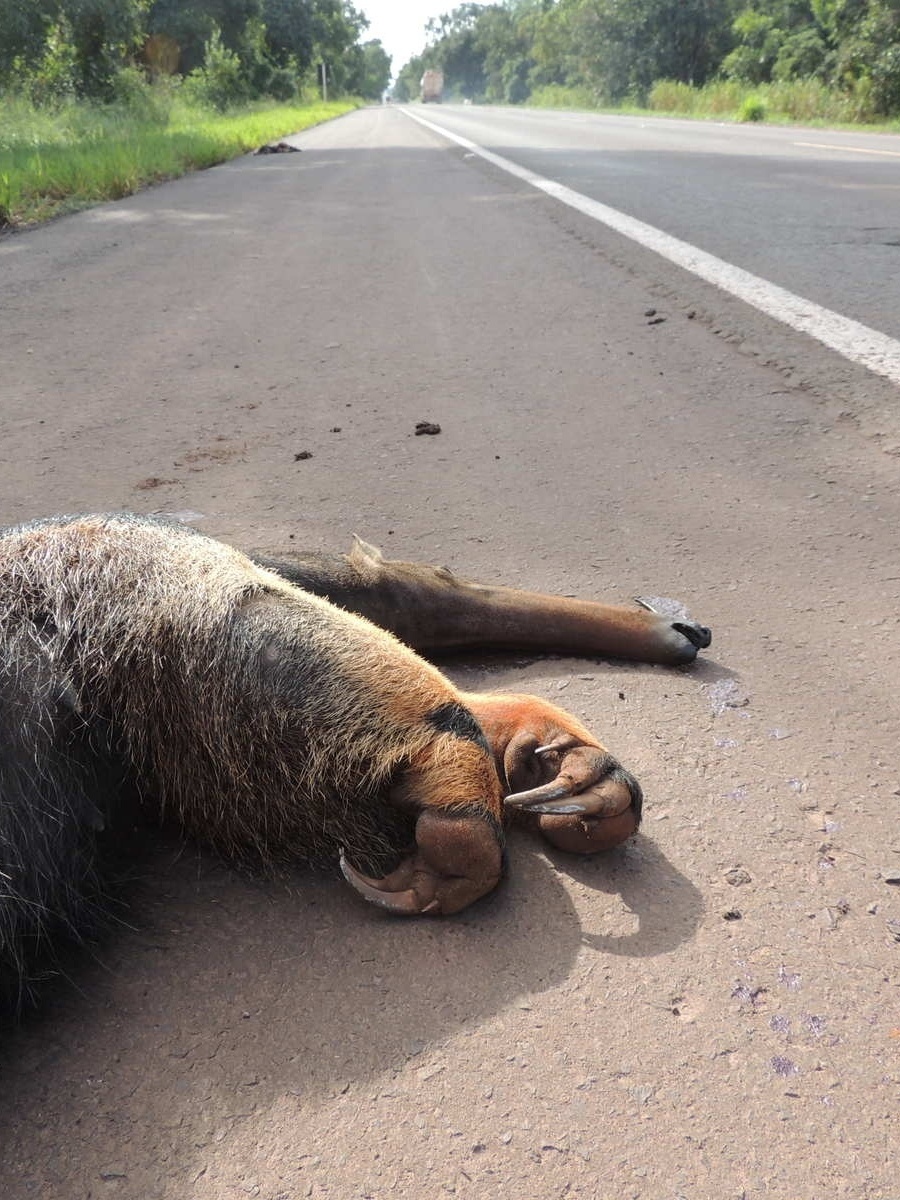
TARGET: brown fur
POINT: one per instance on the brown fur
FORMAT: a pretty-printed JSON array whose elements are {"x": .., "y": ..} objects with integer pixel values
[
  {"x": 259, "y": 717},
  {"x": 150, "y": 618},
  {"x": 259, "y": 706}
]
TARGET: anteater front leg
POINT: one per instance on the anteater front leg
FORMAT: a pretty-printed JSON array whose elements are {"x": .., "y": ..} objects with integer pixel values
[
  {"x": 431, "y": 610},
  {"x": 556, "y": 777},
  {"x": 453, "y": 787}
]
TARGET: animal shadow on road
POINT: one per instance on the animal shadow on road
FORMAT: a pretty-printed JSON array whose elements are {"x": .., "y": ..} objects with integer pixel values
[
  {"x": 300, "y": 981},
  {"x": 666, "y": 906}
]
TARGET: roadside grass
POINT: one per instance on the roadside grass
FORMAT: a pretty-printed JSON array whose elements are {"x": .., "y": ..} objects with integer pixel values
[
  {"x": 803, "y": 101},
  {"x": 54, "y": 161}
]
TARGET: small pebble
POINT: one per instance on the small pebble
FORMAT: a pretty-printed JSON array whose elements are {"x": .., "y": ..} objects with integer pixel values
[{"x": 737, "y": 876}]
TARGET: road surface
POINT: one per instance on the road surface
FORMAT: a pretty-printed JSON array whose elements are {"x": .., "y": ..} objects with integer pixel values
[
  {"x": 814, "y": 211},
  {"x": 713, "y": 1011}
]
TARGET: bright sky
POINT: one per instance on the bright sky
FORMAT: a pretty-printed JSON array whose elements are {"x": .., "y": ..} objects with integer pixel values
[{"x": 400, "y": 25}]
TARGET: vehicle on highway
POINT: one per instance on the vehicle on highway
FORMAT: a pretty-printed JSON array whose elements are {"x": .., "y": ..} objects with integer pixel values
[{"x": 432, "y": 85}]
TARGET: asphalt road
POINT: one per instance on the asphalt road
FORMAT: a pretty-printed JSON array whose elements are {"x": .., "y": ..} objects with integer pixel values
[
  {"x": 815, "y": 211},
  {"x": 712, "y": 1012}
]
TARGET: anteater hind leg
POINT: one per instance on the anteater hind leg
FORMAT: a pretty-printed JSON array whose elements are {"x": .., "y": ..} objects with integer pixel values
[{"x": 431, "y": 609}]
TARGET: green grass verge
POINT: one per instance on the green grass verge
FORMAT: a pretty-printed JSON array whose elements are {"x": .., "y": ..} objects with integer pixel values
[
  {"x": 801, "y": 102},
  {"x": 53, "y": 162}
]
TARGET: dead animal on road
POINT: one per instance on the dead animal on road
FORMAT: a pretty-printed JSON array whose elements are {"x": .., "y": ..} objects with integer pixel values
[
  {"x": 278, "y": 708},
  {"x": 277, "y": 148}
]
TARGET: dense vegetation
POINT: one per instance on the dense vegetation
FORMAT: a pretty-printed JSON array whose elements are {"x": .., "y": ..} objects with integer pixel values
[
  {"x": 228, "y": 51},
  {"x": 100, "y": 97},
  {"x": 839, "y": 59}
]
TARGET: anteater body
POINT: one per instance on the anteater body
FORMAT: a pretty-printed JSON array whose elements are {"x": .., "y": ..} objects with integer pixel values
[
  {"x": 140, "y": 658},
  {"x": 253, "y": 704}
]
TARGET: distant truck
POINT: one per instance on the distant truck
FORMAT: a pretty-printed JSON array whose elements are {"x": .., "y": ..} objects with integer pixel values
[{"x": 432, "y": 87}]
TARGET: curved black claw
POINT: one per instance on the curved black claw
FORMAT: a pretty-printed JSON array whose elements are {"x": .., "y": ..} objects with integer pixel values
[{"x": 698, "y": 635}]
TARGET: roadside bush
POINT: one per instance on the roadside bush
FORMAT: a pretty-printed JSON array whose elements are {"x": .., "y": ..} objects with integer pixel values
[
  {"x": 860, "y": 104},
  {"x": 149, "y": 103},
  {"x": 801, "y": 100},
  {"x": 557, "y": 95},
  {"x": 720, "y": 99},
  {"x": 752, "y": 109},
  {"x": 668, "y": 95},
  {"x": 282, "y": 85},
  {"x": 220, "y": 82},
  {"x": 6, "y": 200}
]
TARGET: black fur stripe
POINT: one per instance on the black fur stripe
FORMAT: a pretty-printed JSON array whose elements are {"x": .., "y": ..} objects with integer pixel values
[{"x": 455, "y": 719}]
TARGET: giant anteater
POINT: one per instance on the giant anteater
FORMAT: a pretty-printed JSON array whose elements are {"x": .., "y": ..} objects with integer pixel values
[{"x": 277, "y": 708}]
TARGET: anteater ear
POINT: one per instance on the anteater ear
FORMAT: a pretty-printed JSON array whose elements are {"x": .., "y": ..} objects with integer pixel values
[
  {"x": 457, "y": 859},
  {"x": 363, "y": 555}
]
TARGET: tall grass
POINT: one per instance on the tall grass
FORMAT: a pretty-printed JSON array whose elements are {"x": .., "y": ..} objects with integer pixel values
[
  {"x": 804, "y": 101},
  {"x": 79, "y": 154},
  {"x": 559, "y": 95}
]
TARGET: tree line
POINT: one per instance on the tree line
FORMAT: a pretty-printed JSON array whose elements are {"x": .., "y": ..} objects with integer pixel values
[
  {"x": 242, "y": 49},
  {"x": 617, "y": 50}
]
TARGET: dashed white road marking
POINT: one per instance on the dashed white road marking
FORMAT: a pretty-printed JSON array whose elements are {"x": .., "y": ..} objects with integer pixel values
[
  {"x": 849, "y": 149},
  {"x": 857, "y": 342}
]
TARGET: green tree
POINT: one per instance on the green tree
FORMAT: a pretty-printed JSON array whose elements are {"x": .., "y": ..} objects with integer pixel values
[
  {"x": 504, "y": 40},
  {"x": 458, "y": 52},
  {"x": 867, "y": 58},
  {"x": 369, "y": 72},
  {"x": 622, "y": 47},
  {"x": 759, "y": 41},
  {"x": 98, "y": 38},
  {"x": 337, "y": 26},
  {"x": 290, "y": 31},
  {"x": 190, "y": 23},
  {"x": 24, "y": 29},
  {"x": 618, "y": 48},
  {"x": 554, "y": 49},
  {"x": 406, "y": 85}
]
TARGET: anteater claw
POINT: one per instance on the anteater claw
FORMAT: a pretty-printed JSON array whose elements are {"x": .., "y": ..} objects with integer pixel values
[
  {"x": 457, "y": 859},
  {"x": 405, "y": 903},
  {"x": 559, "y": 808},
  {"x": 591, "y": 803}
]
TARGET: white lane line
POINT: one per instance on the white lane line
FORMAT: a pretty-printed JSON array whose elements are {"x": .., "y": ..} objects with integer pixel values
[
  {"x": 855, "y": 341},
  {"x": 849, "y": 149}
]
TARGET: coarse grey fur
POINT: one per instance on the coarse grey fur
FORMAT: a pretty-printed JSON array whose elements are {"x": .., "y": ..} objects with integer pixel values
[{"x": 140, "y": 657}]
